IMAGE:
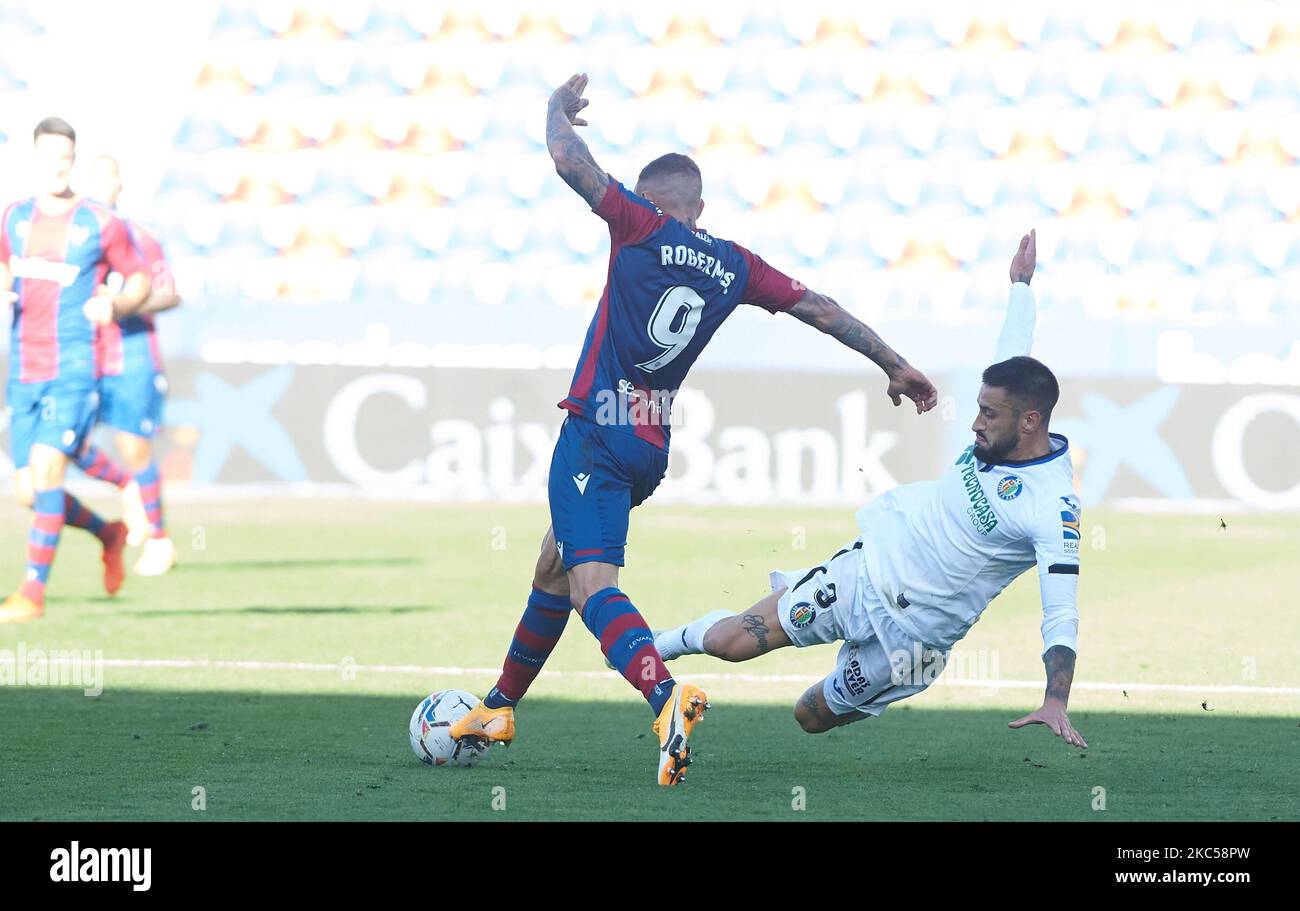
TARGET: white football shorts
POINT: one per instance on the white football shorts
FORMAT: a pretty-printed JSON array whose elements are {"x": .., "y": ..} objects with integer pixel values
[{"x": 835, "y": 602}]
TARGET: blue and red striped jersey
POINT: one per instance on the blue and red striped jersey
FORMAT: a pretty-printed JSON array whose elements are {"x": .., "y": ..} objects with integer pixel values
[
  {"x": 57, "y": 262},
  {"x": 669, "y": 287},
  {"x": 130, "y": 346}
]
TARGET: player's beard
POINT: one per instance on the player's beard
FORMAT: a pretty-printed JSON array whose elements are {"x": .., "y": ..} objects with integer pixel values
[{"x": 996, "y": 450}]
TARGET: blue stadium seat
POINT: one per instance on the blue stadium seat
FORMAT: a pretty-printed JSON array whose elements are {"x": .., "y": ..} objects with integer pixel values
[
  {"x": 18, "y": 17},
  {"x": 1063, "y": 32},
  {"x": 199, "y": 133},
  {"x": 1164, "y": 247},
  {"x": 913, "y": 31},
  {"x": 238, "y": 234},
  {"x": 762, "y": 26},
  {"x": 296, "y": 77},
  {"x": 1109, "y": 143},
  {"x": 1185, "y": 144},
  {"x": 1170, "y": 199},
  {"x": 1077, "y": 246},
  {"x": 371, "y": 77},
  {"x": 393, "y": 238},
  {"x": 1048, "y": 87},
  {"x": 957, "y": 141},
  {"x": 941, "y": 194},
  {"x": 183, "y": 184},
  {"x": 1277, "y": 88},
  {"x": 239, "y": 22},
  {"x": 1292, "y": 260},
  {"x": 1125, "y": 88},
  {"x": 1247, "y": 195},
  {"x": 973, "y": 86},
  {"x": 9, "y": 82},
  {"x": 1016, "y": 194},
  {"x": 1215, "y": 33},
  {"x": 335, "y": 184},
  {"x": 385, "y": 26}
]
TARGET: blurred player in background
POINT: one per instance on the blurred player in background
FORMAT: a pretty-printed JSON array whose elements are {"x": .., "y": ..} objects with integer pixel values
[
  {"x": 671, "y": 284},
  {"x": 133, "y": 390},
  {"x": 931, "y": 557},
  {"x": 55, "y": 251}
]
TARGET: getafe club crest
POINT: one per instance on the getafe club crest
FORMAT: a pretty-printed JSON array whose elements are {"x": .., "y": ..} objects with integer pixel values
[
  {"x": 1009, "y": 487},
  {"x": 802, "y": 614}
]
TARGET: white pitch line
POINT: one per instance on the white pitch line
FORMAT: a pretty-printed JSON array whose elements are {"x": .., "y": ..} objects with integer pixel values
[{"x": 435, "y": 671}]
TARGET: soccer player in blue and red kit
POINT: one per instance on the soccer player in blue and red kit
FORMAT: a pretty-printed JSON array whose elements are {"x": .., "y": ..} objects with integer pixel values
[
  {"x": 670, "y": 286},
  {"x": 133, "y": 389},
  {"x": 55, "y": 250}
]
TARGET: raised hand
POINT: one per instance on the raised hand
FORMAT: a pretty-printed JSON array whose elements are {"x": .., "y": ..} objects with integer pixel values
[
  {"x": 1022, "y": 264},
  {"x": 569, "y": 98}
]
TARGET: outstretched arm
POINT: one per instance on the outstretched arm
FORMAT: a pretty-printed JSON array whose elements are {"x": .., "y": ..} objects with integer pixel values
[
  {"x": 572, "y": 158},
  {"x": 1017, "y": 335},
  {"x": 1059, "y": 662},
  {"x": 825, "y": 315}
]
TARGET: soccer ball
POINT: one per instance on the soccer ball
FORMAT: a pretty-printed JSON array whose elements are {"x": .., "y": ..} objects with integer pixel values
[{"x": 429, "y": 730}]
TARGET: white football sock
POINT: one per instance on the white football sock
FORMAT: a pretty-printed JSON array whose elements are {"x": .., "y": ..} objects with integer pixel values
[{"x": 688, "y": 639}]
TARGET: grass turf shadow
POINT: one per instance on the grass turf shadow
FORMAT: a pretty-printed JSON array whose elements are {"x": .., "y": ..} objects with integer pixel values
[{"x": 138, "y": 754}]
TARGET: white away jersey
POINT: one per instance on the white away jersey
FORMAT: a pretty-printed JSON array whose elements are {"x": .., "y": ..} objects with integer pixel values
[{"x": 939, "y": 551}]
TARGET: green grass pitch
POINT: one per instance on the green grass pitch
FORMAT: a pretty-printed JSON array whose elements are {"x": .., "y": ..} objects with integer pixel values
[{"x": 325, "y": 611}]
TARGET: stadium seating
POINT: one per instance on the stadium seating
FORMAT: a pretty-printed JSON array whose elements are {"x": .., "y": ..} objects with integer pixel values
[{"x": 887, "y": 137}]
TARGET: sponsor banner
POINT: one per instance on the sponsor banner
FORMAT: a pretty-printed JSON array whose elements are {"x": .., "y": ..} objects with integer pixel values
[{"x": 751, "y": 438}]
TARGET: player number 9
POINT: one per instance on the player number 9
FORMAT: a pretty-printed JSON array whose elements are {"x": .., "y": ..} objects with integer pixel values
[{"x": 662, "y": 320}]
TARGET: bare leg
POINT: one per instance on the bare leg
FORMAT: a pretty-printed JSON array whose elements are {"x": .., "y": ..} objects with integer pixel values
[
  {"x": 549, "y": 574},
  {"x": 136, "y": 451},
  {"x": 586, "y": 579},
  {"x": 24, "y": 490},
  {"x": 815, "y": 716},
  {"x": 747, "y": 635}
]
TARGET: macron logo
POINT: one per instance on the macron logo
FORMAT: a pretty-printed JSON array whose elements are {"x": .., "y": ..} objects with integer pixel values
[
  {"x": 581, "y": 479},
  {"x": 102, "y": 865}
]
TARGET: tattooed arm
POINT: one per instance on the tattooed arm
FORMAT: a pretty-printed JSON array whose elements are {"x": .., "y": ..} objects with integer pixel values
[
  {"x": 1059, "y": 663},
  {"x": 825, "y": 315},
  {"x": 572, "y": 158}
]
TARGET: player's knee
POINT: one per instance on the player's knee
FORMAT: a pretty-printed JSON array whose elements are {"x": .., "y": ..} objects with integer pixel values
[
  {"x": 549, "y": 573},
  {"x": 23, "y": 494},
  {"x": 719, "y": 643},
  {"x": 812, "y": 714},
  {"x": 586, "y": 579},
  {"x": 578, "y": 594},
  {"x": 134, "y": 451},
  {"x": 810, "y": 721},
  {"x": 715, "y": 643}
]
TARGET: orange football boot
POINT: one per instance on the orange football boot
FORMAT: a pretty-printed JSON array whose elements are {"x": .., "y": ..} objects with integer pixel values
[
  {"x": 680, "y": 714},
  {"x": 483, "y": 723},
  {"x": 18, "y": 608}
]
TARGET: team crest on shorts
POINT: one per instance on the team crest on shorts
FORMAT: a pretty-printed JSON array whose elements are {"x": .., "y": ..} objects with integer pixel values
[
  {"x": 1009, "y": 487},
  {"x": 802, "y": 614}
]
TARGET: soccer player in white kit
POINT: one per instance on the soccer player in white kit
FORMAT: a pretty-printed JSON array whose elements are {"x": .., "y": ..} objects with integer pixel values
[{"x": 931, "y": 557}]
